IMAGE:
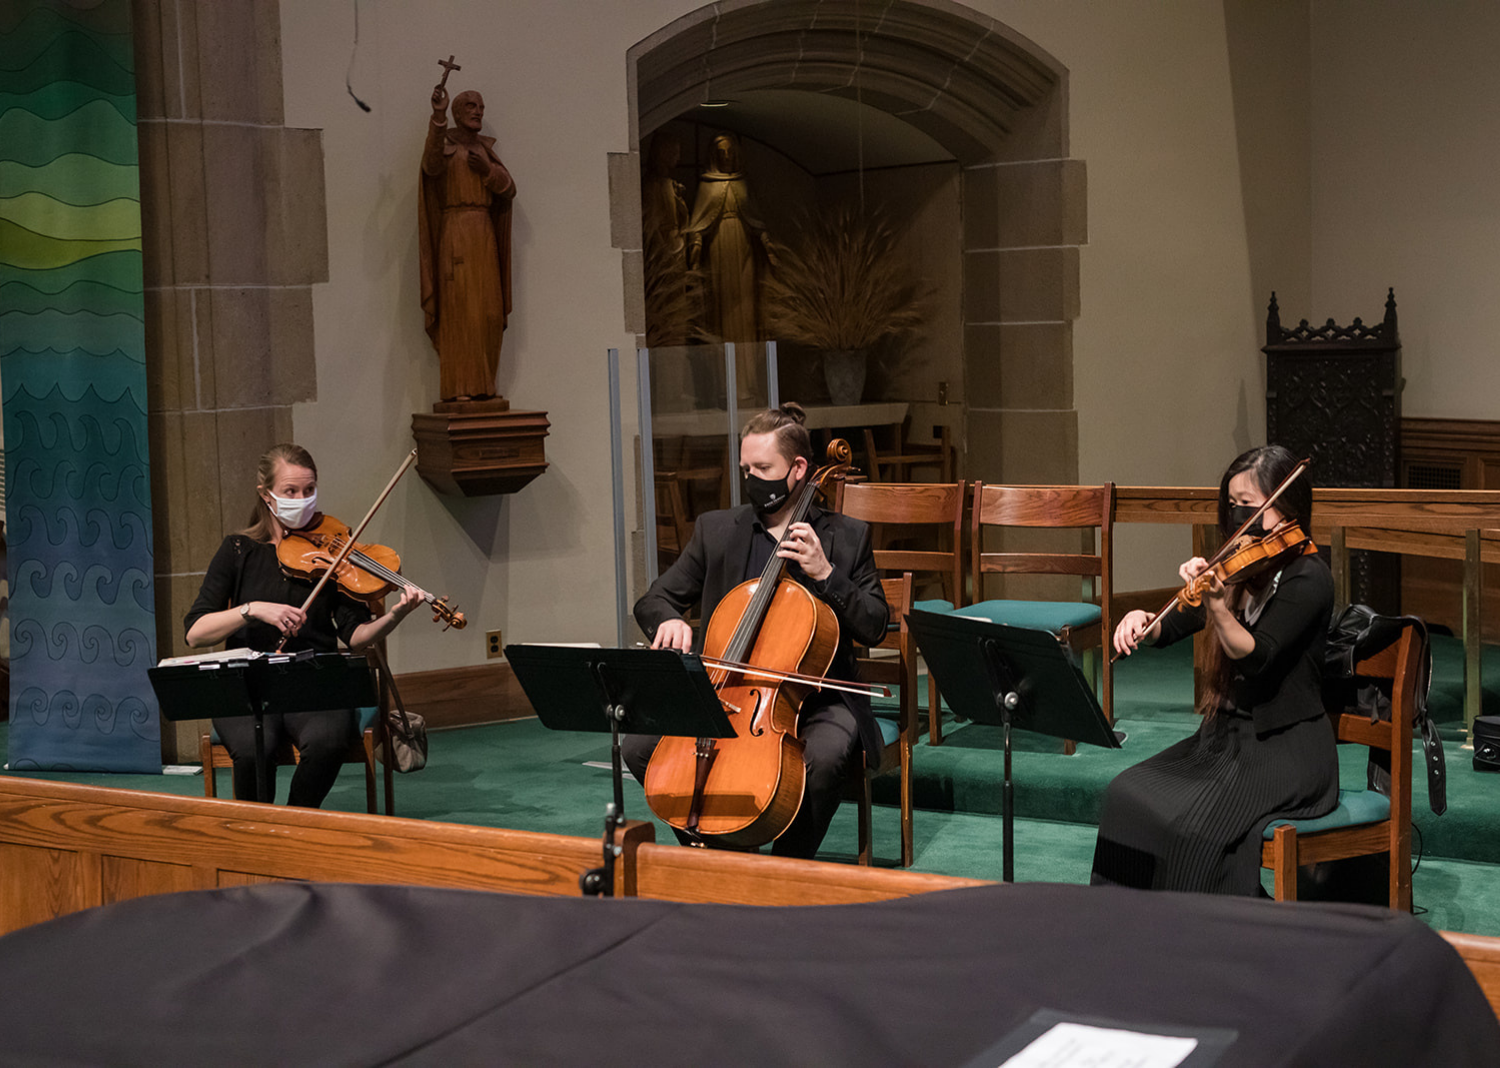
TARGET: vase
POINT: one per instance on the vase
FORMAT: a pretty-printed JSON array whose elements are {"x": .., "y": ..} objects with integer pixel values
[{"x": 844, "y": 373}]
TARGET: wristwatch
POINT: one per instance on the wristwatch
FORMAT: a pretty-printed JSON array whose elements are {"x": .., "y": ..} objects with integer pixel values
[{"x": 245, "y": 611}]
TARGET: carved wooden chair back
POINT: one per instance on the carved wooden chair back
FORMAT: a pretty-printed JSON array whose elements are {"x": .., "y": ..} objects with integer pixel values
[
  {"x": 936, "y": 509},
  {"x": 1085, "y": 624}
]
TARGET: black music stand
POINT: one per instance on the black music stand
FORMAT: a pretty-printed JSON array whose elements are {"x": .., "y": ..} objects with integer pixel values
[
  {"x": 1010, "y": 677},
  {"x": 635, "y": 691},
  {"x": 258, "y": 685}
]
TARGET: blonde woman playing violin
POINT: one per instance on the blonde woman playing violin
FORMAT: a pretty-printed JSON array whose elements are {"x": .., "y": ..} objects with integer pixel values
[
  {"x": 248, "y": 599},
  {"x": 1191, "y": 817}
]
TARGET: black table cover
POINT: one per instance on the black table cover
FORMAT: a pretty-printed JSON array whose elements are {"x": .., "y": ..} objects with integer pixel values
[{"x": 324, "y": 974}]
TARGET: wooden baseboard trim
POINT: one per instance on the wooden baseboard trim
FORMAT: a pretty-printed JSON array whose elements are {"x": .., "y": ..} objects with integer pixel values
[{"x": 465, "y": 696}]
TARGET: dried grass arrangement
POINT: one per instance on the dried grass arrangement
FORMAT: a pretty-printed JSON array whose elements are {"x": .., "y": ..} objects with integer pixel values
[
  {"x": 841, "y": 286},
  {"x": 673, "y": 297}
]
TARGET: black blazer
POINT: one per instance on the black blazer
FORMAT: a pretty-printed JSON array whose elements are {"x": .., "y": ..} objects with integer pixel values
[
  {"x": 716, "y": 559},
  {"x": 1281, "y": 681}
]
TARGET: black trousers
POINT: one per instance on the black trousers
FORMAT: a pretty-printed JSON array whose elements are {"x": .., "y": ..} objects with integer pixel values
[
  {"x": 322, "y": 739},
  {"x": 830, "y": 740}
]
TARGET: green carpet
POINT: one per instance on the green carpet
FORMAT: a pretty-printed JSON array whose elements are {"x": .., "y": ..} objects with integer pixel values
[
  {"x": 1153, "y": 705},
  {"x": 523, "y": 776}
]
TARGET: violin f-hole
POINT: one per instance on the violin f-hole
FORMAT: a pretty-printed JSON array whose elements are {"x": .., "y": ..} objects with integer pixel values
[{"x": 756, "y": 727}]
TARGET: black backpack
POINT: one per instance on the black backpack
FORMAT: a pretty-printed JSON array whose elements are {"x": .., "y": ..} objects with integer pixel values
[{"x": 1355, "y": 633}]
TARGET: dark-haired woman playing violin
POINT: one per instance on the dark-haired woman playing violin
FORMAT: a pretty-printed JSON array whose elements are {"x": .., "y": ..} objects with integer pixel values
[
  {"x": 247, "y": 598},
  {"x": 1191, "y": 817}
]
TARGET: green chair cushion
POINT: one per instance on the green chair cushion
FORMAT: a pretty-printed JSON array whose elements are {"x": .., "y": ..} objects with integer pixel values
[
  {"x": 1038, "y": 615},
  {"x": 933, "y": 606},
  {"x": 890, "y": 730},
  {"x": 1355, "y": 807}
]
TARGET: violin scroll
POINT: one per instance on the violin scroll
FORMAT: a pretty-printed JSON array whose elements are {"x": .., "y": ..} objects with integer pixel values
[
  {"x": 450, "y": 617},
  {"x": 1245, "y": 557}
]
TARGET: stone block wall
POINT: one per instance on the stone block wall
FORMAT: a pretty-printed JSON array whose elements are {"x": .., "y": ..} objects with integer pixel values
[{"x": 235, "y": 234}]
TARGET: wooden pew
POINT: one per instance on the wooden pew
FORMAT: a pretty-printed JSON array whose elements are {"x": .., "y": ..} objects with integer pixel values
[
  {"x": 671, "y": 873},
  {"x": 65, "y": 847},
  {"x": 1482, "y": 955}
]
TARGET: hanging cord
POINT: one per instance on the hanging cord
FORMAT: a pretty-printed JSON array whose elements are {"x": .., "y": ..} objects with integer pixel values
[
  {"x": 859, "y": 114},
  {"x": 349, "y": 70}
]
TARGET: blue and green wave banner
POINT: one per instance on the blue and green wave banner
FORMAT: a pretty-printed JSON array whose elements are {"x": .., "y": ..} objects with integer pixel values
[{"x": 73, "y": 377}]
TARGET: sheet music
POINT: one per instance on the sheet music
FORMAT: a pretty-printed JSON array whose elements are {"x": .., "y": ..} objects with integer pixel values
[
  {"x": 201, "y": 659},
  {"x": 1073, "y": 1045}
]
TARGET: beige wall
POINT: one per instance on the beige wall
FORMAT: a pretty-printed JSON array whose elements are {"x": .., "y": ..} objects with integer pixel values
[
  {"x": 1192, "y": 119},
  {"x": 537, "y": 564},
  {"x": 1406, "y": 190},
  {"x": 1167, "y": 378}
]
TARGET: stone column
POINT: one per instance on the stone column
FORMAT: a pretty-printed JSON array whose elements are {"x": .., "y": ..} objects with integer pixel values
[
  {"x": 234, "y": 236},
  {"x": 1024, "y": 221}
]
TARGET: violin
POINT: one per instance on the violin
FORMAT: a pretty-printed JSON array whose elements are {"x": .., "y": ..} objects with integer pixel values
[
  {"x": 365, "y": 572},
  {"x": 769, "y": 643},
  {"x": 1245, "y": 557}
]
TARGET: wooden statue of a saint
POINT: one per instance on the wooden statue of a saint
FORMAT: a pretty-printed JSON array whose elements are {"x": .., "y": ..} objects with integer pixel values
[{"x": 463, "y": 226}]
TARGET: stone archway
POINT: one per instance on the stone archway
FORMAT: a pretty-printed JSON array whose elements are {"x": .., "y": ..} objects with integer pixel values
[{"x": 994, "y": 100}]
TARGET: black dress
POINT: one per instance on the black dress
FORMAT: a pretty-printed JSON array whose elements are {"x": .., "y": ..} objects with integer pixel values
[
  {"x": 245, "y": 570},
  {"x": 1191, "y": 817}
]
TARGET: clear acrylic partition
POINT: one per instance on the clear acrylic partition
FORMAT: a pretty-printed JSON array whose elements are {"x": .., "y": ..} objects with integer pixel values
[{"x": 675, "y": 431}]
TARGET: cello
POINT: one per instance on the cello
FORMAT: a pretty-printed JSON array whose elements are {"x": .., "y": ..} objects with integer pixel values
[{"x": 769, "y": 642}]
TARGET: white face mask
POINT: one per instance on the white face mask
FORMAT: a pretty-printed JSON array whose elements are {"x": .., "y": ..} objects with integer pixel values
[{"x": 294, "y": 511}]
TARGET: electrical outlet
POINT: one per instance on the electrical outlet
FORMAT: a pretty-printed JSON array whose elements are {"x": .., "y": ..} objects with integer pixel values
[{"x": 493, "y": 646}]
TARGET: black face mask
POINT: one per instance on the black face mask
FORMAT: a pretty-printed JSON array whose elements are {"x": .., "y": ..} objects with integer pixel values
[
  {"x": 1241, "y": 512},
  {"x": 767, "y": 494}
]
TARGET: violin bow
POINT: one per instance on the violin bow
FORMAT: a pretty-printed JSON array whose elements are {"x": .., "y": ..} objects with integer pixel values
[
  {"x": 411, "y": 458},
  {"x": 1224, "y": 549}
]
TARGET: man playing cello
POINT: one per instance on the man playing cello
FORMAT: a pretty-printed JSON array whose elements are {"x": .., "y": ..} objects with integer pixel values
[{"x": 830, "y": 555}]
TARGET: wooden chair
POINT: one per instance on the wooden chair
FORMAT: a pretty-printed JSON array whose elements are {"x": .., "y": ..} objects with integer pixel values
[
  {"x": 897, "y": 464},
  {"x": 673, "y": 527},
  {"x": 674, "y": 510},
  {"x": 899, "y": 671},
  {"x": 1084, "y": 624},
  {"x": 1365, "y": 822},
  {"x": 937, "y": 506},
  {"x": 373, "y": 735}
]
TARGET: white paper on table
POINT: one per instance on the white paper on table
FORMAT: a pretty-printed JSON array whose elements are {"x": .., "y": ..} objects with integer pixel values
[{"x": 1072, "y": 1045}]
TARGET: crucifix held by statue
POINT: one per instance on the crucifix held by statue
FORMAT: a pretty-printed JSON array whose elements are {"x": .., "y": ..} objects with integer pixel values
[{"x": 463, "y": 223}]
